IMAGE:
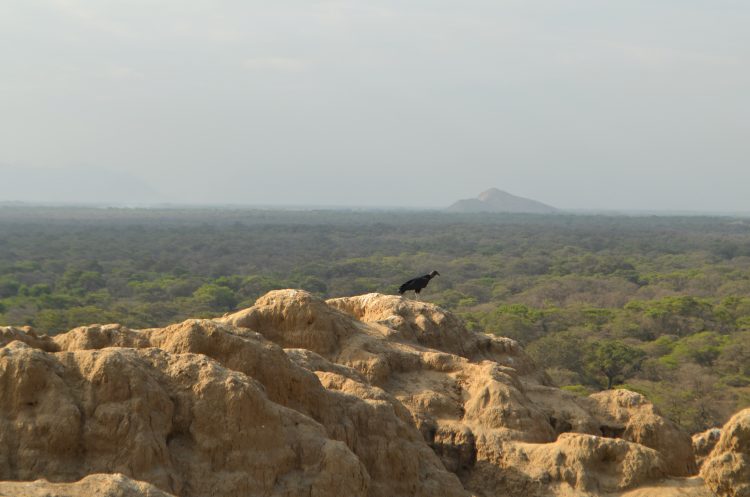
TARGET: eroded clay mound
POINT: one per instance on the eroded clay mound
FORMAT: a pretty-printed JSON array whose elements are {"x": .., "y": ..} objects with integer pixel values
[
  {"x": 26, "y": 335},
  {"x": 473, "y": 397},
  {"x": 426, "y": 324},
  {"x": 181, "y": 422},
  {"x": 101, "y": 485},
  {"x": 677, "y": 487},
  {"x": 372, "y": 395},
  {"x": 575, "y": 464},
  {"x": 438, "y": 385},
  {"x": 367, "y": 422},
  {"x": 630, "y": 416},
  {"x": 704, "y": 443},
  {"x": 727, "y": 469}
]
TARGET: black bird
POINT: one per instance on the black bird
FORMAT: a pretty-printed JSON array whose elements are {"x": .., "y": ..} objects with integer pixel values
[{"x": 417, "y": 284}]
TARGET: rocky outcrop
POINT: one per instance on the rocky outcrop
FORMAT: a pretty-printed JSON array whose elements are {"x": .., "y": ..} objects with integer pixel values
[
  {"x": 100, "y": 485},
  {"x": 628, "y": 415},
  {"x": 494, "y": 200},
  {"x": 26, "y": 335},
  {"x": 574, "y": 464},
  {"x": 413, "y": 322},
  {"x": 704, "y": 443},
  {"x": 727, "y": 469},
  {"x": 678, "y": 487},
  {"x": 475, "y": 398},
  {"x": 181, "y": 422},
  {"x": 364, "y": 424},
  {"x": 372, "y": 395}
]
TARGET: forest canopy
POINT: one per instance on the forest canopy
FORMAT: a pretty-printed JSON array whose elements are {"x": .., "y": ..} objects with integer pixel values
[{"x": 660, "y": 305}]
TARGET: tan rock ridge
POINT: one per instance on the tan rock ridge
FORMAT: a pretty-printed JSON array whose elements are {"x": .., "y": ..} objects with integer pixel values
[
  {"x": 726, "y": 470},
  {"x": 99, "y": 485},
  {"x": 473, "y": 396},
  {"x": 181, "y": 422},
  {"x": 704, "y": 443},
  {"x": 364, "y": 424},
  {"x": 28, "y": 336},
  {"x": 372, "y": 395},
  {"x": 631, "y": 417}
]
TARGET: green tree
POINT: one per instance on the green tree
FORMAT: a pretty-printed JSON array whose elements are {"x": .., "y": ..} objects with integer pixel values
[
  {"x": 558, "y": 350},
  {"x": 254, "y": 286},
  {"x": 734, "y": 358},
  {"x": 40, "y": 289},
  {"x": 8, "y": 287},
  {"x": 701, "y": 348},
  {"x": 50, "y": 321},
  {"x": 613, "y": 359},
  {"x": 216, "y": 297}
]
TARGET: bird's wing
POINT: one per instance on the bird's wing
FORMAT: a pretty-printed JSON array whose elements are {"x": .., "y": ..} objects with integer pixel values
[
  {"x": 407, "y": 286},
  {"x": 415, "y": 284}
]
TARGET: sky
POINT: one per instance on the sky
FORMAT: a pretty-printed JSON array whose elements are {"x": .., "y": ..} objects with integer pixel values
[{"x": 587, "y": 104}]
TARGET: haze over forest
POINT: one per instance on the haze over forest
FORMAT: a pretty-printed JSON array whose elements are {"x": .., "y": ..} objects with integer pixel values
[{"x": 581, "y": 105}]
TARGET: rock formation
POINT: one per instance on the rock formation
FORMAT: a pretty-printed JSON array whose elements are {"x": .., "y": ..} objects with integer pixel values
[
  {"x": 100, "y": 485},
  {"x": 704, "y": 443},
  {"x": 630, "y": 416},
  {"x": 726, "y": 470},
  {"x": 494, "y": 200},
  {"x": 371, "y": 395}
]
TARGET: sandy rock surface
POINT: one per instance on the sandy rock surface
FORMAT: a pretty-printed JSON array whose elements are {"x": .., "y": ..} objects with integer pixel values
[
  {"x": 98, "y": 485},
  {"x": 179, "y": 421},
  {"x": 726, "y": 470},
  {"x": 479, "y": 401},
  {"x": 680, "y": 487},
  {"x": 630, "y": 416},
  {"x": 704, "y": 443},
  {"x": 372, "y": 395}
]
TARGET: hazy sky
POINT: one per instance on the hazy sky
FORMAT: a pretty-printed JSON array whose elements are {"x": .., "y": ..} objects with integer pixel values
[{"x": 636, "y": 104}]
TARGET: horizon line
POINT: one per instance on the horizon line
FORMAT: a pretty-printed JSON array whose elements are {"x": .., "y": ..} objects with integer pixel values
[{"x": 364, "y": 208}]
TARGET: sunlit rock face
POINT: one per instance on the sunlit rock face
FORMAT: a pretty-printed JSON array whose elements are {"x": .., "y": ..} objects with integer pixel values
[
  {"x": 726, "y": 469},
  {"x": 372, "y": 395},
  {"x": 105, "y": 485}
]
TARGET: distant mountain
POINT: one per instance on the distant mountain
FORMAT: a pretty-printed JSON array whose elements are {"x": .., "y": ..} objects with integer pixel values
[
  {"x": 494, "y": 200},
  {"x": 78, "y": 185}
]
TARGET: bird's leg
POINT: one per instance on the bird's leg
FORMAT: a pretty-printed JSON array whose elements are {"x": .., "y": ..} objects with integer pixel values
[{"x": 416, "y": 296}]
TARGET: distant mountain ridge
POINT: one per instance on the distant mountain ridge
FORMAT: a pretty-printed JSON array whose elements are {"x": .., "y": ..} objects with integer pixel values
[{"x": 494, "y": 200}]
